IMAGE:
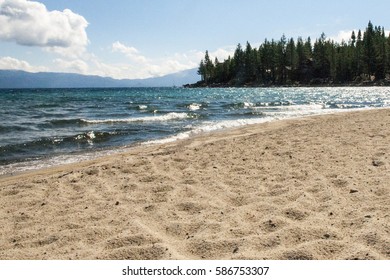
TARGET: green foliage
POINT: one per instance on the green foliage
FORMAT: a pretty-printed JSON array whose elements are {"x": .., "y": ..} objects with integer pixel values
[{"x": 365, "y": 57}]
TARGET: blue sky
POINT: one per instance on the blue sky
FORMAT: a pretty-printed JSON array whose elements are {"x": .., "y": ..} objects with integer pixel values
[{"x": 138, "y": 39}]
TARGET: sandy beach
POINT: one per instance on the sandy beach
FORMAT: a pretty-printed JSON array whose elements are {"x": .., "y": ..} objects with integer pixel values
[{"x": 310, "y": 188}]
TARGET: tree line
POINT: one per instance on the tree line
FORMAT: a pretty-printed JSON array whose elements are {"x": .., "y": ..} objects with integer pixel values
[{"x": 364, "y": 59}]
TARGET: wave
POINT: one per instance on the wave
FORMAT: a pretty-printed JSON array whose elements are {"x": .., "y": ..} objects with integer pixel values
[
  {"x": 238, "y": 105},
  {"x": 209, "y": 127},
  {"x": 92, "y": 136},
  {"x": 162, "y": 118},
  {"x": 250, "y": 105},
  {"x": 45, "y": 105},
  {"x": 45, "y": 162},
  {"x": 194, "y": 106},
  {"x": 142, "y": 107},
  {"x": 65, "y": 122},
  {"x": 80, "y": 121},
  {"x": 335, "y": 105},
  {"x": 283, "y": 108},
  {"x": 268, "y": 114},
  {"x": 39, "y": 146},
  {"x": 12, "y": 128},
  {"x": 292, "y": 111}
]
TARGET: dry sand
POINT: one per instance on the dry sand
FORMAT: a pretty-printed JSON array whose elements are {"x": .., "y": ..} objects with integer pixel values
[{"x": 313, "y": 188}]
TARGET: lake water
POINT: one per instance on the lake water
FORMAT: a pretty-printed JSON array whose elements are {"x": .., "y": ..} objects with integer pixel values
[{"x": 45, "y": 127}]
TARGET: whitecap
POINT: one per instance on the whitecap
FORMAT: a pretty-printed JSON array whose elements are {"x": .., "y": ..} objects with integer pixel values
[
  {"x": 142, "y": 107},
  {"x": 194, "y": 106},
  {"x": 91, "y": 135},
  {"x": 160, "y": 118},
  {"x": 209, "y": 127},
  {"x": 248, "y": 105}
]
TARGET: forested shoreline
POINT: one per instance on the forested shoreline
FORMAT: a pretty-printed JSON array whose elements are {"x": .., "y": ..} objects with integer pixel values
[{"x": 363, "y": 60}]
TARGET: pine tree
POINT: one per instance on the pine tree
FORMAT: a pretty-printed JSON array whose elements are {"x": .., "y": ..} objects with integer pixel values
[
  {"x": 388, "y": 54},
  {"x": 320, "y": 57},
  {"x": 209, "y": 68},
  {"x": 239, "y": 65},
  {"x": 354, "y": 64},
  {"x": 286, "y": 62},
  {"x": 369, "y": 51},
  {"x": 249, "y": 63},
  {"x": 359, "y": 54},
  {"x": 291, "y": 61},
  {"x": 281, "y": 60},
  {"x": 302, "y": 71},
  {"x": 380, "y": 53},
  {"x": 202, "y": 71}
]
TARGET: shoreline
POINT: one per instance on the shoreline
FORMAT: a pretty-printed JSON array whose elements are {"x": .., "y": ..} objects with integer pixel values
[
  {"x": 380, "y": 83},
  {"x": 314, "y": 187},
  {"x": 23, "y": 167}
]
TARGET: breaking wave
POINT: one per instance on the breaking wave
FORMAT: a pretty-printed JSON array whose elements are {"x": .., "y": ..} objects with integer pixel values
[{"x": 162, "y": 118}]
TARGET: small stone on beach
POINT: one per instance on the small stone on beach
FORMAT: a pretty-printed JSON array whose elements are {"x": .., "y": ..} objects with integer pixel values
[{"x": 377, "y": 163}]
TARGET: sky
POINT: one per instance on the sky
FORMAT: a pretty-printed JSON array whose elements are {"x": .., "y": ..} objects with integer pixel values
[{"x": 148, "y": 38}]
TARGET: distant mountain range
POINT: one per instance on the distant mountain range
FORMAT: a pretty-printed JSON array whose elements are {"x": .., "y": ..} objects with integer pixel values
[{"x": 22, "y": 79}]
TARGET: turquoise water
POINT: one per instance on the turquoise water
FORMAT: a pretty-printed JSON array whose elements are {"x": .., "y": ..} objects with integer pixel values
[{"x": 43, "y": 127}]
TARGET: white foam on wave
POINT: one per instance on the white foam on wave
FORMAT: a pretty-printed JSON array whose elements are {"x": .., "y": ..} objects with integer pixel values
[
  {"x": 162, "y": 118},
  {"x": 91, "y": 135},
  {"x": 210, "y": 127},
  {"x": 304, "y": 107},
  {"x": 293, "y": 111},
  {"x": 194, "y": 106},
  {"x": 248, "y": 105},
  {"x": 19, "y": 167},
  {"x": 288, "y": 112},
  {"x": 142, "y": 107}
]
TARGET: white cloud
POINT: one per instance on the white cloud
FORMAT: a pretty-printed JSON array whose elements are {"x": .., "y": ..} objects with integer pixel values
[
  {"x": 343, "y": 35},
  {"x": 71, "y": 66},
  {"x": 10, "y": 63},
  {"x": 29, "y": 23},
  {"x": 130, "y": 52},
  {"x": 223, "y": 53},
  {"x": 346, "y": 35},
  {"x": 118, "y": 71},
  {"x": 134, "y": 66},
  {"x": 139, "y": 66},
  {"x": 63, "y": 33}
]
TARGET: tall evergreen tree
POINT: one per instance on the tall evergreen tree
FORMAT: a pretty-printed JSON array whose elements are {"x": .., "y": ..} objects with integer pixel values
[
  {"x": 202, "y": 71},
  {"x": 369, "y": 51},
  {"x": 321, "y": 58},
  {"x": 239, "y": 65},
  {"x": 388, "y": 54},
  {"x": 365, "y": 55},
  {"x": 281, "y": 60},
  {"x": 291, "y": 60},
  {"x": 249, "y": 63},
  {"x": 209, "y": 67}
]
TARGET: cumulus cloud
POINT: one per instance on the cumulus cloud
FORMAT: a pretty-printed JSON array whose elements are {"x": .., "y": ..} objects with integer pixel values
[
  {"x": 130, "y": 52},
  {"x": 139, "y": 66},
  {"x": 10, "y": 63},
  {"x": 71, "y": 66},
  {"x": 29, "y": 23},
  {"x": 223, "y": 53}
]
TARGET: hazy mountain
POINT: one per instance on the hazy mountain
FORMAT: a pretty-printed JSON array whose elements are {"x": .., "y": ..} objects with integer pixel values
[{"x": 22, "y": 79}]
